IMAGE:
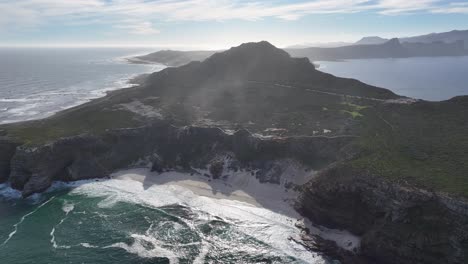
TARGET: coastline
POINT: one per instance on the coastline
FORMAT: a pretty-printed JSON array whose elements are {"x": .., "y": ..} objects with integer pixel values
[
  {"x": 41, "y": 104},
  {"x": 241, "y": 187}
]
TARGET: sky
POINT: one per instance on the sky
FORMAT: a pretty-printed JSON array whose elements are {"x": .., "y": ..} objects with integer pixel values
[{"x": 218, "y": 24}]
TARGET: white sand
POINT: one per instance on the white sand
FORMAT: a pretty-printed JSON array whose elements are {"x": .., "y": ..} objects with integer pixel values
[{"x": 239, "y": 186}]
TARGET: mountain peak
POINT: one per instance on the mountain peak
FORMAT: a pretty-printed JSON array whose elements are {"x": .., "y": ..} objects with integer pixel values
[
  {"x": 372, "y": 40},
  {"x": 256, "y": 61},
  {"x": 253, "y": 50},
  {"x": 393, "y": 41}
]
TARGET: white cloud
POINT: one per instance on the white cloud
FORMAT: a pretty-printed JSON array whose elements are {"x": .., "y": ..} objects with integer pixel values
[
  {"x": 394, "y": 7},
  {"x": 137, "y": 16},
  {"x": 139, "y": 28},
  {"x": 453, "y": 8}
]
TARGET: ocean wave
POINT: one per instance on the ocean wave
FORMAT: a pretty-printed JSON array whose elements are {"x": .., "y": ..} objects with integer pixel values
[
  {"x": 18, "y": 100},
  {"x": 271, "y": 228},
  {"x": 8, "y": 193},
  {"x": 147, "y": 247}
]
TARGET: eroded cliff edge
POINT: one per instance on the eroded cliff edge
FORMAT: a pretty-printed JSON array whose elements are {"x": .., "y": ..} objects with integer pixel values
[{"x": 34, "y": 168}]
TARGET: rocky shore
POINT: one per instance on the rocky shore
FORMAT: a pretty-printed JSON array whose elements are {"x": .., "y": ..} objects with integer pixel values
[{"x": 398, "y": 223}]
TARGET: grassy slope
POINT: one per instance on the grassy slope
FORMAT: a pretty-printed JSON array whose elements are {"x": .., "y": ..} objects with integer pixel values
[{"x": 424, "y": 144}]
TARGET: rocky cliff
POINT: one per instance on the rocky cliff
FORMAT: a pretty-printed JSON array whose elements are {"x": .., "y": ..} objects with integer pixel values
[
  {"x": 33, "y": 169},
  {"x": 7, "y": 150},
  {"x": 398, "y": 223}
]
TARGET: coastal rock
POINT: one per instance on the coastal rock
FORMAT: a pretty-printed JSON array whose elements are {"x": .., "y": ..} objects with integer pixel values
[
  {"x": 7, "y": 150},
  {"x": 398, "y": 224},
  {"x": 216, "y": 168}
]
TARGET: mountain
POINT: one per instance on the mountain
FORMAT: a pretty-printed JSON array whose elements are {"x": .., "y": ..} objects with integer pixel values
[
  {"x": 320, "y": 45},
  {"x": 390, "y": 49},
  {"x": 371, "y": 41},
  {"x": 446, "y": 37},
  {"x": 172, "y": 58},
  {"x": 390, "y": 169}
]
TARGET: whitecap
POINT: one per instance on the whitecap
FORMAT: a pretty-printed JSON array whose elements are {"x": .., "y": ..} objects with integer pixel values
[
  {"x": 87, "y": 245},
  {"x": 8, "y": 193},
  {"x": 68, "y": 207},
  {"x": 138, "y": 248}
]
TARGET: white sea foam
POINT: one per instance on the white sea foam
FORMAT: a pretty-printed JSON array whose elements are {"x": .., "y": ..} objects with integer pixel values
[
  {"x": 67, "y": 208},
  {"x": 87, "y": 245},
  {"x": 8, "y": 193},
  {"x": 272, "y": 226},
  {"x": 138, "y": 248}
]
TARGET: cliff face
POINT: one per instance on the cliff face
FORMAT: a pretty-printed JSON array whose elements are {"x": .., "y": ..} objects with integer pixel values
[
  {"x": 7, "y": 150},
  {"x": 398, "y": 224},
  {"x": 33, "y": 169}
]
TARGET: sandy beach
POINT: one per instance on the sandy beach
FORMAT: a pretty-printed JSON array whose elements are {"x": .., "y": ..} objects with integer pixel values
[{"x": 239, "y": 186}]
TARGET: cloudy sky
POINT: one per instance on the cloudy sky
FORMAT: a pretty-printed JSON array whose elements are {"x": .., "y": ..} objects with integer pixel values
[{"x": 219, "y": 23}]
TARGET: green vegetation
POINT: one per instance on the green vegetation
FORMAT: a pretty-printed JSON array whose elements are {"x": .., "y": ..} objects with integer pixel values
[
  {"x": 353, "y": 109},
  {"x": 75, "y": 123},
  {"x": 424, "y": 144},
  {"x": 353, "y": 114}
]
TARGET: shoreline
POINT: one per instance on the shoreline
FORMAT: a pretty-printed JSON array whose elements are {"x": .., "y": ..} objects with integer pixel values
[
  {"x": 230, "y": 189},
  {"x": 246, "y": 189},
  {"x": 122, "y": 83}
]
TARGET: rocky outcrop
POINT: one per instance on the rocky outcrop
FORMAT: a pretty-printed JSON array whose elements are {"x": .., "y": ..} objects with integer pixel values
[
  {"x": 7, "y": 150},
  {"x": 33, "y": 169},
  {"x": 398, "y": 224}
]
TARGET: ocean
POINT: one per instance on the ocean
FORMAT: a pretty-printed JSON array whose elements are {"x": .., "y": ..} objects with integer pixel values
[
  {"x": 432, "y": 79},
  {"x": 36, "y": 83},
  {"x": 121, "y": 220}
]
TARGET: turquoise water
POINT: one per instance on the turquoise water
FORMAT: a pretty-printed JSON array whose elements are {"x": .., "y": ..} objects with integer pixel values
[
  {"x": 122, "y": 222},
  {"x": 432, "y": 79}
]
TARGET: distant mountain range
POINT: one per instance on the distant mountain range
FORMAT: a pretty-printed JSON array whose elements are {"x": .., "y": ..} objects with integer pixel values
[
  {"x": 390, "y": 49},
  {"x": 446, "y": 37},
  {"x": 453, "y": 43},
  {"x": 320, "y": 45},
  {"x": 370, "y": 41}
]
